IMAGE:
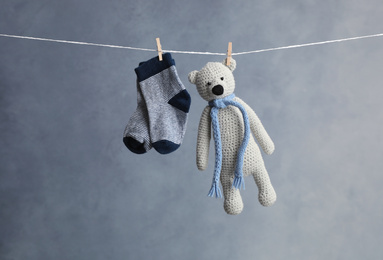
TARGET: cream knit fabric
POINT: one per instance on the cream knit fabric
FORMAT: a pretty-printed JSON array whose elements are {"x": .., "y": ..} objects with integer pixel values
[{"x": 232, "y": 133}]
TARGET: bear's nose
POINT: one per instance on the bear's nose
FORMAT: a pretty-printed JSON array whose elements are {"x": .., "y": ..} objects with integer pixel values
[{"x": 217, "y": 90}]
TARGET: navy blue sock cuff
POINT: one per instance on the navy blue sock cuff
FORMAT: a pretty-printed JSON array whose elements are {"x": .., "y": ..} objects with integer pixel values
[{"x": 153, "y": 66}]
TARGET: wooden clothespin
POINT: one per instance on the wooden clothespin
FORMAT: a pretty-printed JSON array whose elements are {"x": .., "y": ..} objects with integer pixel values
[
  {"x": 159, "y": 49},
  {"x": 228, "y": 58}
]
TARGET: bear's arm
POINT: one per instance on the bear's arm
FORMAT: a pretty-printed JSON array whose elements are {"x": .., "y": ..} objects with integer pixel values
[
  {"x": 258, "y": 130},
  {"x": 203, "y": 139}
]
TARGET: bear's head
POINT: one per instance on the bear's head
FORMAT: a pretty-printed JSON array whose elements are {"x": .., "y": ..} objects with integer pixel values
[{"x": 215, "y": 80}]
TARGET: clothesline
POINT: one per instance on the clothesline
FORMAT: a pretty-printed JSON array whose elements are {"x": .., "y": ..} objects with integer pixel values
[{"x": 192, "y": 52}]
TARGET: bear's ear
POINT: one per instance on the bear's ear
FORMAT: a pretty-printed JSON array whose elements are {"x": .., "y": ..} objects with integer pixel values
[
  {"x": 232, "y": 66},
  {"x": 193, "y": 76}
]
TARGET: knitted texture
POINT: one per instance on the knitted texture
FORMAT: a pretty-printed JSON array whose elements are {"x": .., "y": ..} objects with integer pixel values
[
  {"x": 162, "y": 117},
  {"x": 136, "y": 134},
  {"x": 232, "y": 126},
  {"x": 238, "y": 182}
]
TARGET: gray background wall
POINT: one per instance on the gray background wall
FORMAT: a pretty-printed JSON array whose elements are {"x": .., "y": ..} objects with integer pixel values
[{"x": 69, "y": 189}]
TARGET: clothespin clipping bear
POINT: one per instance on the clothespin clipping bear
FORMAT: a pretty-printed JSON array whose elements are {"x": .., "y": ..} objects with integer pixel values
[
  {"x": 228, "y": 58},
  {"x": 235, "y": 128}
]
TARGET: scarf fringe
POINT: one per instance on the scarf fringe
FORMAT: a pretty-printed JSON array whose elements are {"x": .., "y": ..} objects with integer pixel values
[
  {"x": 215, "y": 189},
  {"x": 239, "y": 182}
]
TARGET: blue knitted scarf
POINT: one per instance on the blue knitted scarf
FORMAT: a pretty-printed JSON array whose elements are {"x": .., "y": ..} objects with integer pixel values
[{"x": 238, "y": 182}]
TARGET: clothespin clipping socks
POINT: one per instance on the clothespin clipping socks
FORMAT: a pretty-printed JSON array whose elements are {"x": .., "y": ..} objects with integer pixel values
[
  {"x": 162, "y": 107},
  {"x": 159, "y": 49}
]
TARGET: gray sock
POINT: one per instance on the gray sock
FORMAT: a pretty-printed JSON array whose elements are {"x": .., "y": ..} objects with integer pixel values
[
  {"x": 136, "y": 134},
  {"x": 167, "y": 102}
]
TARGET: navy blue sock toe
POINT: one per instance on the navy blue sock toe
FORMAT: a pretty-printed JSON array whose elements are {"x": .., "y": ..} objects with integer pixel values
[
  {"x": 133, "y": 145},
  {"x": 165, "y": 146},
  {"x": 181, "y": 101}
]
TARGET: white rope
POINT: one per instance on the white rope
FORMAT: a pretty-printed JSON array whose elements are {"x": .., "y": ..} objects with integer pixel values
[
  {"x": 191, "y": 52},
  {"x": 73, "y": 42},
  {"x": 195, "y": 52},
  {"x": 310, "y": 44}
]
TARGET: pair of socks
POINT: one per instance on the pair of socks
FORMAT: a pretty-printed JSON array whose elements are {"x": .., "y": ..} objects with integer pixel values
[{"x": 162, "y": 108}]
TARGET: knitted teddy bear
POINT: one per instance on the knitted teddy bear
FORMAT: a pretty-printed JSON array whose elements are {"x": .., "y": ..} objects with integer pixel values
[{"x": 236, "y": 152}]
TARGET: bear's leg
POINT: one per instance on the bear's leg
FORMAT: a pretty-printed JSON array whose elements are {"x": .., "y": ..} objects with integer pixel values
[
  {"x": 233, "y": 204},
  {"x": 266, "y": 192}
]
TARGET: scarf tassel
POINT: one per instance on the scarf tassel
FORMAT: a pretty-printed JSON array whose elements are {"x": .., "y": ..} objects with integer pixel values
[
  {"x": 215, "y": 189},
  {"x": 239, "y": 182}
]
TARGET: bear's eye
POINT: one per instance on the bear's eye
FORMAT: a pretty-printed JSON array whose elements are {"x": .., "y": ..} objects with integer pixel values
[
  {"x": 209, "y": 83},
  {"x": 221, "y": 78}
]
